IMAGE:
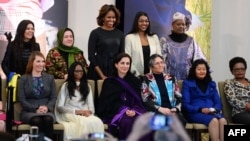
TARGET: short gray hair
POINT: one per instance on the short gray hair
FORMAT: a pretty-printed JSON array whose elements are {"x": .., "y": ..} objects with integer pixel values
[{"x": 152, "y": 59}]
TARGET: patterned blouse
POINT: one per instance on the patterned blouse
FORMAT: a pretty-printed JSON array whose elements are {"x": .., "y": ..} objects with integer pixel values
[
  {"x": 57, "y": 66},
  {"x": 37, "y": 85},
  {"x": 237, "y": 95},
  {"x": 180, "y": 56}
]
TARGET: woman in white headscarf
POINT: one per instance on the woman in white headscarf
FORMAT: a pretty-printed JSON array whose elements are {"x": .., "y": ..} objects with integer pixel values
[{"x": 179, "y": 49}]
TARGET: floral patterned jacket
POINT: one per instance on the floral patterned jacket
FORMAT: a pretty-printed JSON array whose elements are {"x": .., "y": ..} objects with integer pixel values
[
  {"x": 151, "y": 95},
  {"x": 237, "y": 95},
  {"x": 57, "y": 66}
]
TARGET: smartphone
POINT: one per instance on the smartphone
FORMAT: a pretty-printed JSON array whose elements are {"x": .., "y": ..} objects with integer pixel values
[
  {"x": 96, "y": 135},
  {"x": 160, "y": 122},
  {"x": 33, "y": 136},
  {"x": 34, "y": 130}
]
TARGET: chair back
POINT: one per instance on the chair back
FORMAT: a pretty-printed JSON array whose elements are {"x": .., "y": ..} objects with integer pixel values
[
  {"x": 92, "y": 86},
  {"x": 99, "y": 86},
  {"x": 226, "y": 109},
  {"x": 180, "y": 85}
]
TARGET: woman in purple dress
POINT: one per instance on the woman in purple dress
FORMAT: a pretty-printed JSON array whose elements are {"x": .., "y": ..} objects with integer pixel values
[{"x": 120, "y": 102}]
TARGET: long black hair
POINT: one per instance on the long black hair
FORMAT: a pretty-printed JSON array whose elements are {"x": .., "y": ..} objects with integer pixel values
[
  {"x": 84, "y": 89},
  {"x": 135, "y": 27},
  {"x": 18, "y": 42},
  {"x": 192, "y": 74}
]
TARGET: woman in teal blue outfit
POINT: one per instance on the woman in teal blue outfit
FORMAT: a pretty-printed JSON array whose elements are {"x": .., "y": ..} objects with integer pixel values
[{"x": 201, "y": 102}]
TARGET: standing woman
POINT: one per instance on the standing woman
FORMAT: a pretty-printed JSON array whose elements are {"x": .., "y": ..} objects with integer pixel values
[
  {"x": 105, "y": 42},
  {"x": 179, "y": 49},
  {"x": 60, "y": 58},
  {"x": 18, "y": 51},
  {"x": 140, "y": 44},
  {"x": 37, "y": 95},
  {"x": 201, "y": 101}
]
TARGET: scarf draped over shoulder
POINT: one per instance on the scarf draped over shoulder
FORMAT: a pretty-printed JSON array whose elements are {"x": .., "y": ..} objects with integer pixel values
[{"x": 70, "y": 50}]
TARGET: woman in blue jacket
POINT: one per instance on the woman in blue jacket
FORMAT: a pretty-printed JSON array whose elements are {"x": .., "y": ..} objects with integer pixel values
[{"x": 201, "y": 101}]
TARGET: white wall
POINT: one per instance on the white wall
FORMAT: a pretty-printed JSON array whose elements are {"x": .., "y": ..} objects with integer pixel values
[
  {"x": 82, "y": 19},
  {"x": 230, "y": 35}
]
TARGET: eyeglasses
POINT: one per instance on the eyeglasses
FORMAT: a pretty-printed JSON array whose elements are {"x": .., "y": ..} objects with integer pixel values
[
  {"x": 239, "y": 69},
  {"x": 78, "y": 71},
  {"x": 159, "y": 63}
]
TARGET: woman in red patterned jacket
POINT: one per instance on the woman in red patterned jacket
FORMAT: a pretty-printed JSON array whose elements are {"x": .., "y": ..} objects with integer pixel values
[{"x": 61, "y": 57}]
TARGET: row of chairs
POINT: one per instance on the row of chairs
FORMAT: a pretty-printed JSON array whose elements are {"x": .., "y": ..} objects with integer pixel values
[{"x": 195, "y": 130}]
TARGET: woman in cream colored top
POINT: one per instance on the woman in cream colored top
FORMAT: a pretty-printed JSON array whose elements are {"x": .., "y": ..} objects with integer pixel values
[
  {"x": 140, "y": 44},
  {"x": 75, "y": 106}
]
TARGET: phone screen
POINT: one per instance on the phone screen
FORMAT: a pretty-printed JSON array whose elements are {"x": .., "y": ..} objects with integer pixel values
[
  {"x": 160, "y": 122},
  {"x": 96, "y": 136}
]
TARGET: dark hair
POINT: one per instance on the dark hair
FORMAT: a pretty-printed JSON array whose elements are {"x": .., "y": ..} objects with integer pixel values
[
  {"x": 117, "y": 59},
  {"x": 152, "y": 59},
  {"x": 103, "y": 12},
  {"x": 18, "y": 43},
  {"x": 32, "y": 57},
  {"x": 84, "y": 88},
  {"x": 192, "y": 74},
  {"x": 135, "y": 27},
  {"x": 236, "y": 60}
]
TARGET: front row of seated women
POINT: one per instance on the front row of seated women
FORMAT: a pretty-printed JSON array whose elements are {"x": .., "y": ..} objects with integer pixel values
[
  {"x": 74, "y": 109},
  {"x": 123, "y": 98}
]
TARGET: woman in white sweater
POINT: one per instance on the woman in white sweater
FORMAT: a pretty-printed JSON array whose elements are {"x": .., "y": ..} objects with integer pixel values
[
  {"x": 75, "y": 107},
  {"x": 140, "y": 43}
]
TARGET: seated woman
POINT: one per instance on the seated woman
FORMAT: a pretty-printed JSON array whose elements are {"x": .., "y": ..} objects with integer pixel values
[
  {"x": 37, "y": 95},
  {"x": 160, "y": 91},
  {"x": 75, "y": 106},
  {"x": 237, "y": 91},
  {"x": 201, "y": 102},
  {"x": 120, "y": 102}
]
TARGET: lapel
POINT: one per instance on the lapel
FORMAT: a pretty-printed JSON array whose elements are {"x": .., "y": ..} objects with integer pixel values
[{"x": 139, "y": 48}]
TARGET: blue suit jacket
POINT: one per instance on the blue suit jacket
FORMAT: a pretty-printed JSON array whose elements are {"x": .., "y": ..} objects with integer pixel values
[{"x": 193, "y": 98}]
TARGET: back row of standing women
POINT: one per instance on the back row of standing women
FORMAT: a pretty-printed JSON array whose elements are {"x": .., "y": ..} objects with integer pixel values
[{"x": 105, "y": 42}]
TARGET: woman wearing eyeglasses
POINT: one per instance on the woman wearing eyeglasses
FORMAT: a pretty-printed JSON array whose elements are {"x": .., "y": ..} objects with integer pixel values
[
  {"x": 237, "y": 91},
  {"x": 141, "y": 43},
  {"x": 75, "y": 106}
]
